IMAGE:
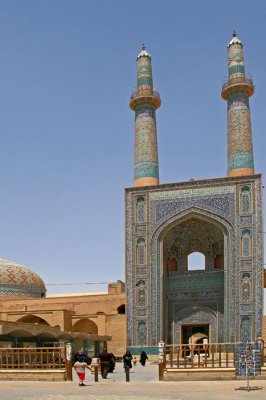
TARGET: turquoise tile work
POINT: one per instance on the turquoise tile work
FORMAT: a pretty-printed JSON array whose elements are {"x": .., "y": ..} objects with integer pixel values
[
  {"x": 214, "y": 218},
  {"x": 219, "y": 219},
  {"x": 145, "y": 102}
]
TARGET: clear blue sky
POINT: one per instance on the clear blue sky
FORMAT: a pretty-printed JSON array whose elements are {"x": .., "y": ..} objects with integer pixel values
[{"x": 67, "y": 70}]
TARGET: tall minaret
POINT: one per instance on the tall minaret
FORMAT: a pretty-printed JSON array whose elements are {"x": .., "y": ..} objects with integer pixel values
[
  {"x": 144, "y": 102},
  {"x": 237, "y": 90}
]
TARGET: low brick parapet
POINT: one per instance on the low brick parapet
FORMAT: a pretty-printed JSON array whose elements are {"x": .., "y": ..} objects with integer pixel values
[
  {"x": 32, "y": 375},
  {"x": 205, "y": 374}
]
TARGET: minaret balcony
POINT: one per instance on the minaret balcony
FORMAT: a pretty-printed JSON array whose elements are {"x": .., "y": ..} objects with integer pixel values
[
  {"x": 145, "y": 97},
  {"x": 241, "y": 84}
]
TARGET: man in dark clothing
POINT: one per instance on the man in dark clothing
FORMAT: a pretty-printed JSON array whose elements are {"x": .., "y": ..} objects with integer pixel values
[{"x": 105, "y": 363}]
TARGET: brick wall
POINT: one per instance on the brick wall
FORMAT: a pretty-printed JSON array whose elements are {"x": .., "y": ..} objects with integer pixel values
[
  {"x": 264, "y": 328},
  {"x": 116, "y": 327}
]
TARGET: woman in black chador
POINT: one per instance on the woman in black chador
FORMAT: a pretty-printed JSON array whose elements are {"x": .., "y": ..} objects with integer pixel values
[
  {"x": 143, "y": 358},
  {"x": 127, "y": 357}
]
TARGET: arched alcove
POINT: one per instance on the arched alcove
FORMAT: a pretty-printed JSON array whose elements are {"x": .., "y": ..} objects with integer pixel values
[
  {"x": 193, "y": 260},
  {"x": 85, "y": 326},
  {"x": 140, "y": 214},
  {"x": 33, "y": 319},
  {"x": 121, "y": 309},
  {"x": 192, "y": 245}
]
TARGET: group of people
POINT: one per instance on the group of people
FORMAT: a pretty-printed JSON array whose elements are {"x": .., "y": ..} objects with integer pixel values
[
  {"x": 107, "y": 363},
  {"x": 127, "y": 359}
]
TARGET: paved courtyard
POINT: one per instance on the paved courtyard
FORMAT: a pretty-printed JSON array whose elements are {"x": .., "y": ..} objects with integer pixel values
[{"x": 143, "y": 385}]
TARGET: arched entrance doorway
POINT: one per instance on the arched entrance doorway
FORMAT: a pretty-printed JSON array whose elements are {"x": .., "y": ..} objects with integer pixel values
[
  {"x": 193, "y": 323},
  {"x": 192, "y": 293}
]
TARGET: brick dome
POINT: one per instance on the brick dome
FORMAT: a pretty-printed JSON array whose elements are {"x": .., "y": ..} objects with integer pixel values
[{"x": 17, "y": 280}]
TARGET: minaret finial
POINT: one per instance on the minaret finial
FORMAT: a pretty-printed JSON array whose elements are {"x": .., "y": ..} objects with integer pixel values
[
  {"x": 143, "y": 52},
  {"x": 144, "y": 102},
  {"x": 237, "y": 90}
]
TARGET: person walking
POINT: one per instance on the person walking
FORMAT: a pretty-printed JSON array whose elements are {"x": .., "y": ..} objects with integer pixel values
[
  {"x": 143, "y": 358},
  {"x": 127, "y": 357},
  {"x": 112, "y": 362},
  {"x": 105, "y": 358},
  {"x": 79, "y": 367}
]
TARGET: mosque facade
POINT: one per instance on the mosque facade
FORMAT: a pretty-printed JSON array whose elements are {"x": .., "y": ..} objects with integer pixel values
[
  {"x": 221, "y": 219},
  {"x": 166, "y": 297}
]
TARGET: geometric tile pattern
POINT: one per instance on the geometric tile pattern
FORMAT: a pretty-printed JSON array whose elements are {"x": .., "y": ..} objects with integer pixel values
[
  {"x": 146, "y": 162},
  {"x": 17, "y": 280},
  {"x": 232, "y": 209},
  {"x": 240, "y": 150},
  {"x": 144, "y": 102},
  {"x": 221, "y": 218},
  {"x": 236, "y": 91}
]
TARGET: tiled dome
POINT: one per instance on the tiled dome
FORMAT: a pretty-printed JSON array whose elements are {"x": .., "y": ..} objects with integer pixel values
[{"x": 17, "y": 280}]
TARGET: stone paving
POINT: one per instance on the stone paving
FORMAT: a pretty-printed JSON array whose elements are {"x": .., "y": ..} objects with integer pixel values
[{"x": 143, "y": 385}]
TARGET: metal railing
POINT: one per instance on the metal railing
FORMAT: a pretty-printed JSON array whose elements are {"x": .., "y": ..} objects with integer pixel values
[
  {"x": 215, "y": 355},
  {"x": 246, "y": 80},
  {"x": 36, "y": 358},
  {"x": 144, "y": 93}
]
